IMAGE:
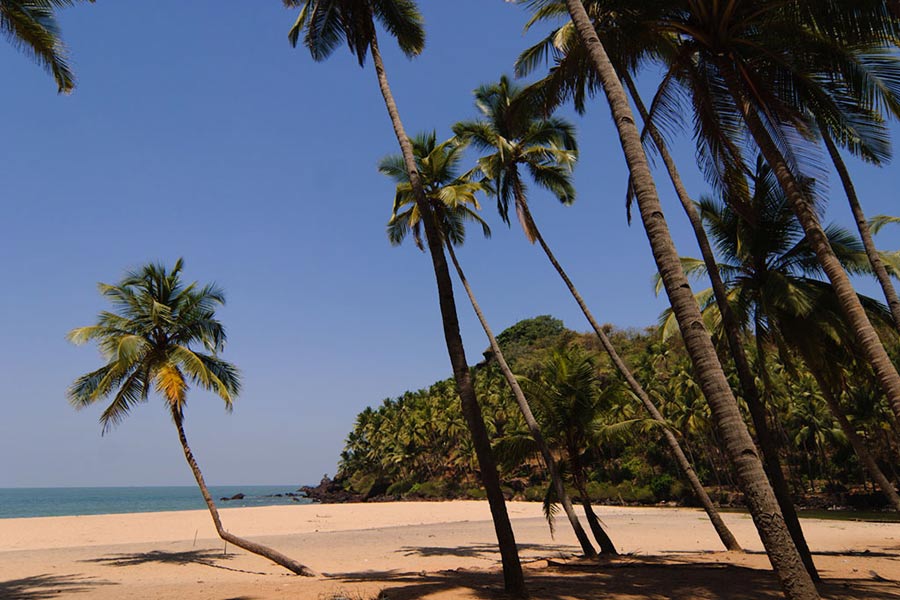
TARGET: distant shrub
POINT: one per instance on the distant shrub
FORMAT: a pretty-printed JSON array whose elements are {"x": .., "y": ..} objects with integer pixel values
[
  {"x": 399, "y": 488},
  {"x": 534, "y": 493},
  {"x": 638, "y": 494},
  {"x": 602, "y": 491},
  {"x": 661, "y": 486},
  {"x": 476, "y": 493},
  {"x": 362, "y": 483},
  {"x": 429, "y": 489}
]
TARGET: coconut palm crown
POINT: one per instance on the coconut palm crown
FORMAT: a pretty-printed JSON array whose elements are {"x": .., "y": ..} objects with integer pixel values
[
  {"x": 452, "y": 195},
  {"x": 150, "y": 340},
  {"x": 324, "y": 24},
  {"x": 514, "y": 134}
]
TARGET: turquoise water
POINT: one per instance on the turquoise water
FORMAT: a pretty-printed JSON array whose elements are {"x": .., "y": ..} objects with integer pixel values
[{"x": 58, "y": 502}]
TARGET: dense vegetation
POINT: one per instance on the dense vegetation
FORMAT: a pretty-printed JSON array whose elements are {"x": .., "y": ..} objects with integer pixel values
[{"x": 416, "y": 445}]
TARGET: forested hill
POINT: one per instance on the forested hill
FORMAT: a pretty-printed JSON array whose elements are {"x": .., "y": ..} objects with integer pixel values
[{"x": 417, "y": 445}]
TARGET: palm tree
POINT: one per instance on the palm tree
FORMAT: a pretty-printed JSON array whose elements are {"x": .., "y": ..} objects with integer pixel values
[
  {"x": 454, "y": 202},
  {"x": 865, "y": 231},
  {"x": 324, "y": 23},
  {"x": 516, "y": 137},
  {"x": 783, "y": 554},
  {"x": 571, "y": 77},
  {"x": 778, "y": 71},
  {"x": 150, "y": 340},
  {"x": 773, "y": 273},
  {"x": 570, "y": 403},
  {"x": 31, "y": 26}
]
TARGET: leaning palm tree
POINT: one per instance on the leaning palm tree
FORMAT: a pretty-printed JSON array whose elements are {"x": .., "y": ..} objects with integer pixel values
[
  {"x": 453, "y": 200},
  {"x": 150, "y": 340},
  {"x": 774, "y": 73},
  {"x": 31, "y": 26},
  {"x": 517, "y": 138},
  {"x": 572, "y": 77},
  {"x": 783, "y": 554},
  {"x": 324, "y": 24},
  {"x": 774, "y": 288}
]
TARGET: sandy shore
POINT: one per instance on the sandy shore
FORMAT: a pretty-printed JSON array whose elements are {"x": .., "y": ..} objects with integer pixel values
[{"x": 419, "y": 550}]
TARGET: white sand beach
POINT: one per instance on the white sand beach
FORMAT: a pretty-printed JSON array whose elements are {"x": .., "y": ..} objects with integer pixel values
[{"x": 418, "y": 550}]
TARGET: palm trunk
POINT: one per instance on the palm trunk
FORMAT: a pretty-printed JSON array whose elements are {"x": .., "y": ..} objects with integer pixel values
[
  {"x": 513, "y": 578},
  {"x": 684, "y": 464},
  {"x": 890, "y": 294},
  {"x": 555, "y": 479},
  {"x": 768, "y": 443},
  {"x": 859, "y": 447},
  {"x": 603, "y": 539},
  {"x": 852, "y": 308},
  {"x": 258, "y": 549},
  {"x": 785, "y": 559},
  {"x": 606, "y": 545}
]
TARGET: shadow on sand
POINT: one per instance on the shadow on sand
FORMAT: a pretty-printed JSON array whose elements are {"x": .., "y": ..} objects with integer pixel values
[
  {"x": 40, "y": 587},
  {"x": 632, "y": 577},
  {"x": 487, "y": 551},
  {"x": 208, "y": 558}
]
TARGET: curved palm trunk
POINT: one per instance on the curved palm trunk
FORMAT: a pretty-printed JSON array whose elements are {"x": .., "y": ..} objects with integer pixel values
[
  {"x": 556, "y": 480},
  {"x": 684, "y": 464},
  {"x": 890, "y": 294},
  {"x": 514, "y": 581},
  {"x": 258, "y": 549},
  {"x": 769, "y": 443},
  {"x": 859, "y": 447},
  {"x": 785, "y": 559},
  {"x": 606, "y": 544},
  {"x": 852, "y": 308}
]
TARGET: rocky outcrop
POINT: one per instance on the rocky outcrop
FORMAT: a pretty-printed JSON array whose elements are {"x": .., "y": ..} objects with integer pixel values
[{"x": 330, "y": 491}]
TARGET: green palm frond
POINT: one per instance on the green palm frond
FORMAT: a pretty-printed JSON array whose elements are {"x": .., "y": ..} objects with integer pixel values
[
  {"x": 31, "y": 26},
  {"x": 148, "y": 340},
  {"x": 453, "y": 198},
  {"x": 325, "y": 24},
  {"x": 878, "y": 222},
  {"x": 515, "y": 133}
]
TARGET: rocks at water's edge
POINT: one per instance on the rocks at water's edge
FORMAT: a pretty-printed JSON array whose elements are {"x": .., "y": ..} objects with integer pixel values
[{"x": 330, "y": 492}]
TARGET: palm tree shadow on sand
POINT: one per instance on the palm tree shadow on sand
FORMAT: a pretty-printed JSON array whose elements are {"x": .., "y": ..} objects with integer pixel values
[
  {"x": 39, "y": 587},
  {"x": 651, "y": 577},
  {"x": 487, "y": 551},
  {"x": 208, "y": 558}
]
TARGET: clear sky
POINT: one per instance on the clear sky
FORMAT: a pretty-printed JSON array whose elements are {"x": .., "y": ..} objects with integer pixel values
[{"x": 197, "y": 131}]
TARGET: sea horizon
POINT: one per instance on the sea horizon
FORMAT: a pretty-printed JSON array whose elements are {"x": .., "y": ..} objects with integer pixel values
[{"x": 64, "y": 501}]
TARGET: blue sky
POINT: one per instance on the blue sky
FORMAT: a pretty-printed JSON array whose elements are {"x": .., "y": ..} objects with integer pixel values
[{"x": 197, "y": 131}]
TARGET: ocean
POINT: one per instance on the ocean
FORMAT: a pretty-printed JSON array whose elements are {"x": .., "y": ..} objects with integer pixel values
[{"x": 59, "y": 502}]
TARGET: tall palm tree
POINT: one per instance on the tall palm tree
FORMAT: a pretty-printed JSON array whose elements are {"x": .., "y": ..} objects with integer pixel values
[
  {"x": 782, "y": 552},
  {"x": 518, "y": 138},
  {"x": 324, "y": 23},
  {"x": 865, "y": 231},
  {"x": 572, "y": 78},
  {"x": 31, "y": 26},
  {"x": 776, "y": 71},
  {"x": 773, "y": 273},
  {"x": 150, "y": 340},
  {"x": 453, "y": 200}
]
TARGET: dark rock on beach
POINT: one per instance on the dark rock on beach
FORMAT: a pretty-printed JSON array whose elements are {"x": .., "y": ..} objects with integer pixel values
[{"x": 330, "y": 491}]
